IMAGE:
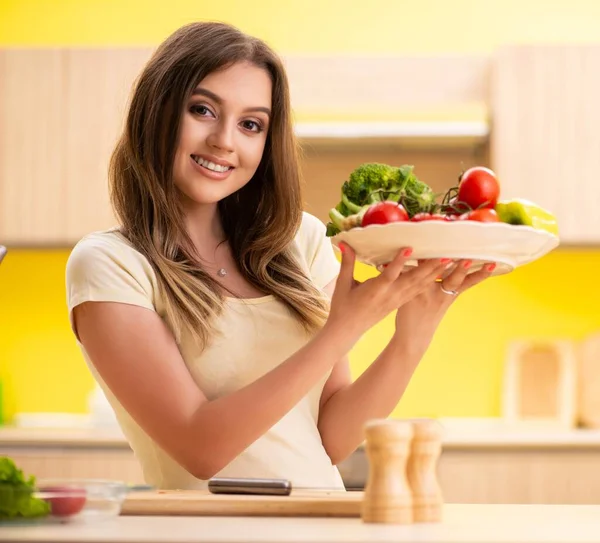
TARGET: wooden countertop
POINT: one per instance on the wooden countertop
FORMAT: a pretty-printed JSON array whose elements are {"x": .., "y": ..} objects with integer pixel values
[
  {"x": 462, "y": 523},
  {"x": 491, "y": 437}
]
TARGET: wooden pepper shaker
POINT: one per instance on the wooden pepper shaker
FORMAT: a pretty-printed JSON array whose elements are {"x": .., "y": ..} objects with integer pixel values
[
  {"x": 425, "y": 450},
  {"x": 387, "y": 497}
]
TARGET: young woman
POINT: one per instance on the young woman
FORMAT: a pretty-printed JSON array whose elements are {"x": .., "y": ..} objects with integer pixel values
[{"x": 216, "y": 317}]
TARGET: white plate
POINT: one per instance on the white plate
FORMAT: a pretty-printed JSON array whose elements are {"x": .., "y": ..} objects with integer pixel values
[{"x": 507, "y": 245}]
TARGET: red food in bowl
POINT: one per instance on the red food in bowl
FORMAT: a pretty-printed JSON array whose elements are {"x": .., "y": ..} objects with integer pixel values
[{"x": 70, "y": 503}]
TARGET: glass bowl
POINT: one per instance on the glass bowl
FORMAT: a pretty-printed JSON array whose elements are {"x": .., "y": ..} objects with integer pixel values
[{"x": 68, "y": 500}]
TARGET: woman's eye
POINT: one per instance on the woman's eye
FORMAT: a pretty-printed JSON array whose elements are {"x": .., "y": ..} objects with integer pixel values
[
  {"x": 253, "y": 126},
  {"x": 200, "y": 110}
]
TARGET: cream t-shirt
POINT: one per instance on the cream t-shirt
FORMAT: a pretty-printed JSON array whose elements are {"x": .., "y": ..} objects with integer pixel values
[{"x": 256, "y": 336}]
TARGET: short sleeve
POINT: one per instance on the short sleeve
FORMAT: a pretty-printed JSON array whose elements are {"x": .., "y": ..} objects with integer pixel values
[
  {"x": 318, "y": 251},
  {"x": 102, "y": 268}
]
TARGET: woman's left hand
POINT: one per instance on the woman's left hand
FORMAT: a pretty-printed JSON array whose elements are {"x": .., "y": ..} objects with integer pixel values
[{"x": 417, "y": 320}]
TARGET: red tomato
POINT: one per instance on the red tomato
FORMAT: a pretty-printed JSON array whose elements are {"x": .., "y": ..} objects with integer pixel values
[
  {"x": 419, "y": 217},
  {"x": 478, "y": 188},
  {"x": 71, "y": 503},
  {"x": 482, "y": 215},
  {"x": 383, "y": 213}
]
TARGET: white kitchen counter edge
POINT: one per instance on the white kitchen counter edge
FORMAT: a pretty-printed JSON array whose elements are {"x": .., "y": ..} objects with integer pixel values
[{"x": 467, "y": 523}]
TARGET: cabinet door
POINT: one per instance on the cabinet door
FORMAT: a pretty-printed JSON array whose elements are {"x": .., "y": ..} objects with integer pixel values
[
  {"x": 62, "y": 110},
  {"x": 98, "y": 87},
  {"x": 32, "y": 157},
  {"x": 61, "y": 113},
  {"x": 545, "y": 142},
  {"x": 76, "y": 463}
]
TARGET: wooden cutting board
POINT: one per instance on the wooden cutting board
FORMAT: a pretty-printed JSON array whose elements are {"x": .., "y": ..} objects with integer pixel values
[{"x": 300, "y": 503}]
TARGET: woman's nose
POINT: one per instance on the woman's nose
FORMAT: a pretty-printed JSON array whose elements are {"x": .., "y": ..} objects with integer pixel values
[{"x": 222, "y": 137}]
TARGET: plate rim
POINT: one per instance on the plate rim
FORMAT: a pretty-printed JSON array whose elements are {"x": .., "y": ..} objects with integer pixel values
[
  {"x": 550, "y": 240},
  {"x": 452, "y": 224}
]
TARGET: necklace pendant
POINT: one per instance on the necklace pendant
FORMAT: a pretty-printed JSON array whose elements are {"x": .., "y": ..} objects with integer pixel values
[{"x": 222, "y": 272}]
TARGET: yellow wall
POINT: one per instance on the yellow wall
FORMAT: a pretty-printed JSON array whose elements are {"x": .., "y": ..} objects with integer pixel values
[
  {"x": 40, "y": 366},
  {"x": 313, "y": 26},
  {"x": 460, "y": 375}
]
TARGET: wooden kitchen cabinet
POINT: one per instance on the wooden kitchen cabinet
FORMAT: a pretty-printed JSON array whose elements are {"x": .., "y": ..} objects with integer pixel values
[
  {"x": 71, "y": 453},
  {"x": 545, "y": 142},
  {"x": 32, "y": 112},
  {"x": 61, "y": 112},
  {"x": 491, "y": 467},
  {"x": 466, "y": 476},
  {"x": 77, "y": 463},
  {"x": 521, "y": 469}
]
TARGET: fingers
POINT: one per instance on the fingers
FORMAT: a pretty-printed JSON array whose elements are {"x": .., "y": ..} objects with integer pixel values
[
  {"x": 345, "y": 280},
  {"x": 460, "y": 279},
  {"x": 428, "y": 270},
  {"x": 393, "y": 270},
  {"x": 455, "y": 280},
  {"x": 478, "y": 276}
]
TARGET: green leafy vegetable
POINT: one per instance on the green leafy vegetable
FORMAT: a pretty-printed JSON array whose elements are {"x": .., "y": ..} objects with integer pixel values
[
  {"x": 374, "y": 182},
  {"x": 16, "y": 493}
]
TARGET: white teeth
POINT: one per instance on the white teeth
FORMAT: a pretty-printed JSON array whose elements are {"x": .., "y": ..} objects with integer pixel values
[{"x": 211, "y": 165}]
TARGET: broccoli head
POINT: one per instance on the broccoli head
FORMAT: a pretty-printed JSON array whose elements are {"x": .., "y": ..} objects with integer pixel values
[
  {"x": 365, "y": 184},
  {"x": 415, "y": 195},
  {"x": 374, "y": 182}
]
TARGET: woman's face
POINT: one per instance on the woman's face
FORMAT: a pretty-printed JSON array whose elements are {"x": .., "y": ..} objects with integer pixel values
[{"x": 223, "y": 133}]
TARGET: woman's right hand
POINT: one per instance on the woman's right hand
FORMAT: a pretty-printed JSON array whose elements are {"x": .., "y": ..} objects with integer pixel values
[{"x": 356, "y": 307}]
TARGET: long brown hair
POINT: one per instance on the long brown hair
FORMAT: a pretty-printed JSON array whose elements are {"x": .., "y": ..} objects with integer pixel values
[{"x": 260, "y": 220}]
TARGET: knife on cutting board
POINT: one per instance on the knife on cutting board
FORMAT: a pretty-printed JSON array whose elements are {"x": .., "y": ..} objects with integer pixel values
[
  {"x": 258, "y": 486},
  {"x": 269, "y": 487}
]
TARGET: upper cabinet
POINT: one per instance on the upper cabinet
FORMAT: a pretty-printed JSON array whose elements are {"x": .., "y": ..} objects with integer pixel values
[
  {"x": 428, "y": 111},
  {"x": 62, "y": 110},
  {"x": 32, "y": 161},
  {"x": 545, "y": 132},
  {"x": 60, "y": 114},
  {"x": 436, "y": 101},
  {"x": 530, "y": 112}
]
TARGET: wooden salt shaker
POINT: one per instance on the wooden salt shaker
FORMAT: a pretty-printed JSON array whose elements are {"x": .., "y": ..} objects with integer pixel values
[
  {"x": 387, "y": 496},
  {"x": 425, "y": 450}
]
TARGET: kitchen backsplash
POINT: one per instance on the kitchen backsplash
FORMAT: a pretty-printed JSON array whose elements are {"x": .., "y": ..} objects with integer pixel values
[{"x": 42, "y": 370}]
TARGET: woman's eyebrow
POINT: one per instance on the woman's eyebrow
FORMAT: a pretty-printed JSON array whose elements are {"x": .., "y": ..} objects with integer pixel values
[{"x": 199, "y": 91}]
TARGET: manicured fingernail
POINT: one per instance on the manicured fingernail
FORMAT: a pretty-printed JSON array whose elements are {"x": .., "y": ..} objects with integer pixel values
[
  {"x": 342, "y": 247},
  {"x": 445, "y": 260},
  {"x": 490, "y": 267},
  {"x": 407, "y": 252},
  {"x": 467, "y": 263}
]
